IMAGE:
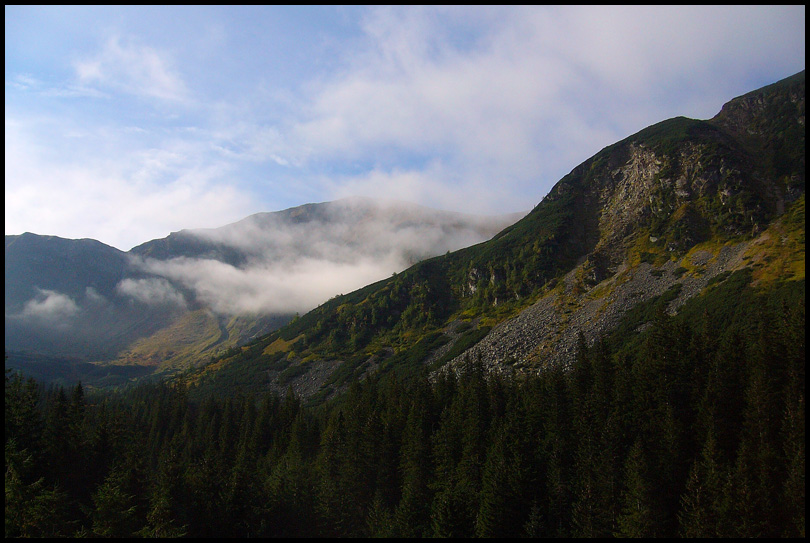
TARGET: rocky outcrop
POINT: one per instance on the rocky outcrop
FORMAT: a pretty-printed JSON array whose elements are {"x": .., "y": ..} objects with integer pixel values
[
  {"x": 546, "y": 334},
  {"x": 666, "y": 189}
]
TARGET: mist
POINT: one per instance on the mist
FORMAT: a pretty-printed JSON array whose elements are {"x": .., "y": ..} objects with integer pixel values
[
  {"x": 151, "y": 291},
  {"x": 267, "y": 288},
  {"x": 50, "y": 307},
  {"x": 293, "y": 261}
]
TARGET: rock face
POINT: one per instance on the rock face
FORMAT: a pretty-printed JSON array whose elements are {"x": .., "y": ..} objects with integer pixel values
[
  {"x": 649, "y": 201},
  {"x": 546, "y": 334}
]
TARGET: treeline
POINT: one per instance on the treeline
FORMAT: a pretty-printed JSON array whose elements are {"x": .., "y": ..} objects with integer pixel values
[{"x": 693, "y": 427}]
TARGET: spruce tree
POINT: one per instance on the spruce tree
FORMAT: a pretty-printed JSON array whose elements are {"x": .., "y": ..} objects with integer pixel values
[
  {"x": 639, "y": 512},
  {"x": 701, "y": 505},
  {"x": 412, "y": 513},
  {"x": 115, "y": 509}
]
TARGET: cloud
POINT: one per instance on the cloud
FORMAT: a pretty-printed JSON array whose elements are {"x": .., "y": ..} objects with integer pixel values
[
  {"x": 29, "y": 83},
  {"x": 137, "y": 69},
  {"x": 478, "y": 109},
  {"x": 151, "y": 291},
  {"x": 94, "y": 297},
  {"x": 119, "y": 195},
  {"x": 296, "y": 263},
  {"x": 51, "y": 307},
  {"x": 343, "y": 230},
  {"x": 265, "y": 288},
  {"x": 529, "y": 92}
]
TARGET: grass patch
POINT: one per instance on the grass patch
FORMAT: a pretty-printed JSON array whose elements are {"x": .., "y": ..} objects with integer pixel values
[{"x": 280, "y": 345}]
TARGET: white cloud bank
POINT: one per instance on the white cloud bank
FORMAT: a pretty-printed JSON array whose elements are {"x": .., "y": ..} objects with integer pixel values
[
  {"x": 51, "y": 308},
  {"x": 296, "y": 261},
  {"x": 267, "y": 288},
  {"x": 151, "y": 291}
]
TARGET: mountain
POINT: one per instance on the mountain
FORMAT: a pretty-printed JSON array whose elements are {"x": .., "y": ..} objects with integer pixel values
[
  {"x": 61, "y": 298},
  {"x": 176, "y": 301},
  {"x": 657, "y": 219}
]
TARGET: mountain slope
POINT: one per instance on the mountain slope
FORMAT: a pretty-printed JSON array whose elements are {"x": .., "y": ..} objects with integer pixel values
[
  {"x": 62, "y": 295},
  {"x": 179, "y": 300},
  {"x": 664, "y": 211}
]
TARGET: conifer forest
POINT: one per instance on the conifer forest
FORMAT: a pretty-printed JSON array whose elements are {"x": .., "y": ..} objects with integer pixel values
[{"x": 692, "y": 426}]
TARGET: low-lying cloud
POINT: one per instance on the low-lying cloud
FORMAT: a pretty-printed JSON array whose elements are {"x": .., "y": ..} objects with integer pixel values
[
  {"x": 151, "y": 291},
  {"x": 50, "y": 307},
  {"x": 343, "y": 234},
  {"x": 267, "y": 288},
  {"x": 295, "y": 260}
]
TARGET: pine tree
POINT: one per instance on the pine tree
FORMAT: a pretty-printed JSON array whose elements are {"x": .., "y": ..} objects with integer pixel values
[
  {"x": 411, "y": 515},
  {"x": 638, "y": 517},
  {"x": 167, "y": 515},
  {"x": 380, "y": 521},
  {"x": 33, "y": 509},
  {"x": 23, "y": 421},
  {"x": 755, "y": 475},
  {"x": 499, "y": 513},
  {"x": 291, "y": 491},
  {"x": 557, "y": 453},
  {"x": 793, "y": 443},
  {"x": 339, "y": 514},
  {"x": 449, "y": 513},
  {"x": 701, "y": 505},
  {"x": 114, "y": 513}
]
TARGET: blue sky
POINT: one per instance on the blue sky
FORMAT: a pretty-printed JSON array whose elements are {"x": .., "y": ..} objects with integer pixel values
[{"x": 124, "y": 124}]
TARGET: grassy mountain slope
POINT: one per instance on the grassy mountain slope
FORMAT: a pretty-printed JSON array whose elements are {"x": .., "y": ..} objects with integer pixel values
[{"x": 666, "y": 210}]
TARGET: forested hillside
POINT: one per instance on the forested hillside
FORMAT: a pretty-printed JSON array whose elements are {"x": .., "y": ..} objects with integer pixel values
[{"x": 692, "y": 427}]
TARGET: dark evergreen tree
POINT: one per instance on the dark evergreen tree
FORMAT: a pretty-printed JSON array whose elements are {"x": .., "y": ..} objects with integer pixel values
[
  {"x": 412, "y": 513},
  {"x": 115, "y": 509},
  {"x": 33, "y": 509},
  {"x": 701, "y": 511},
  {"x": 639, "y": 512}
]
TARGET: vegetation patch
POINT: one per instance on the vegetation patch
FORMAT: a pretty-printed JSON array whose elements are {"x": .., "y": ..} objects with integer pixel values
[
  {"x": 645, "y": 312},
  {"x": 464, "y": 342},
  {"x": 779, "y": 253},
  {"x": 644, "y": 250},
  {"x": 293, "y": 371},
  {"x": 281, "y": 345}
]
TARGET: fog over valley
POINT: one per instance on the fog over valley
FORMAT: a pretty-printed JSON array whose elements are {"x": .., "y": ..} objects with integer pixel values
[
  {"x": 273, "y": 264},
  {"x": 291, "y": 261}
]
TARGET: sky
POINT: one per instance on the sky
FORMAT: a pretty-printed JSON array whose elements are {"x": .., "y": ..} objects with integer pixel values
[{"x": 124, "y": 124}]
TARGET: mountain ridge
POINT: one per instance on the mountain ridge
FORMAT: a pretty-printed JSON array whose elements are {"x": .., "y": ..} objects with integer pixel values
[{"x": 683, "y": 201}]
